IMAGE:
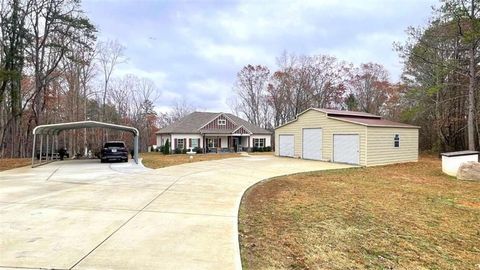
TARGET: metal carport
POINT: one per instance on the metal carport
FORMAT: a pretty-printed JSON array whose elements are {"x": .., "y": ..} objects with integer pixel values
[{"x": 55, "y": 129}]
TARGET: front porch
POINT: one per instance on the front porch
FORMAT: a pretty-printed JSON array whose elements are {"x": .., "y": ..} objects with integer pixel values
[{"x": 223, "y": 143}]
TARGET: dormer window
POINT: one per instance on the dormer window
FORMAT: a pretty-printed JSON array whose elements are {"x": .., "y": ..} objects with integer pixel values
[{"x": 222, "y": 122}]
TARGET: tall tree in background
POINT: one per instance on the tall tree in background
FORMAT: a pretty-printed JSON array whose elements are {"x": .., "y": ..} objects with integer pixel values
[
  {"x": 369, "y": 85},
  {"x": 179, "y": 109},
  {"x": 110, "y": 54},
  {"x": 251, "y": 88},
  {"x": 441, "y": 69},
  {"x": 13, "y": 38},
  {"x": 48, "y": 74},
  {"x": 465, "y": 14}
]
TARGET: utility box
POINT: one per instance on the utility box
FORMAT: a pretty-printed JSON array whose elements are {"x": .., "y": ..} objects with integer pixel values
[{"x": 451, "y": 161}]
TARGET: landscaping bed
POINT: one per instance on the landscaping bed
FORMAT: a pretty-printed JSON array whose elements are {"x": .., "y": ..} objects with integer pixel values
[{"x": 403, "y": 216}]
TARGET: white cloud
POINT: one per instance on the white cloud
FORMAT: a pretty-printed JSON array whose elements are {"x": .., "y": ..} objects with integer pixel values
[
  {"x": 226, "y": 54},
  {"x": 194, "y": 49},
  {"x": 159, "y": 78}
]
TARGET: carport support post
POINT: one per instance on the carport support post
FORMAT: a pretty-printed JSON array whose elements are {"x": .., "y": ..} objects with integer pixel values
[
  {"x": 33, "y": 148},
  {"x": 51, "y": 151},
  {"x": 41, "y": 146},
  {"x": 135, "y": 148},
  {"x": 46, "y": 152}
]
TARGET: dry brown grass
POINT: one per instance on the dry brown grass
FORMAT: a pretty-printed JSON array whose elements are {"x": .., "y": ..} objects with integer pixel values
[
  {"x": 11, "y": 163},
  {"x": 157, "y": 160},
  {"x": 261, "y": 153},
  {"x": 404, "y": 216}
]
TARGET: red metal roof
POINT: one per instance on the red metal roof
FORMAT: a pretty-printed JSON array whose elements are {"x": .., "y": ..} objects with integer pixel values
[
  {"x": 332, "y": 112},
  {"x": 373, "y": 122}
]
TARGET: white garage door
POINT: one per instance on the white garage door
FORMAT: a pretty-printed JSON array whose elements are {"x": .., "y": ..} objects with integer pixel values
[
  {"x": 346, "y": 149},
  {"x": 312, "y": 143},
  {"x": 286, "y": 144}
]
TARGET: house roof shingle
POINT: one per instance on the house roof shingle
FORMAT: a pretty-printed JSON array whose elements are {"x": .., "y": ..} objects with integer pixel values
[{"x": 193, "y": 122}]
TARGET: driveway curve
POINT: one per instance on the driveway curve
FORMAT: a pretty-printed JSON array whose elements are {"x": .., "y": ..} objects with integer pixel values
[{"x": 87, "y": 215}]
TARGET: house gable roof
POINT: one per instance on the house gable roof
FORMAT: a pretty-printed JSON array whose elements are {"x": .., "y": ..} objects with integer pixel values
[
  {"x": 242, "y": 129},
  {"x": 195, "y": 122},
  {"x": 213, "y": 124},
  {"x": 359, "y": 118}
]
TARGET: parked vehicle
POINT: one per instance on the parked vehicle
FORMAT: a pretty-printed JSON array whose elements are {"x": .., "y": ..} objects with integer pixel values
[
  {"x": 56, "y": 154},
  {"x": 114, "y": 150}
]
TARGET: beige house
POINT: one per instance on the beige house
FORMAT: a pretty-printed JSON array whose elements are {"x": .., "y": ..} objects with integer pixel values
[
  {"x": 214, "y": 132},
  {"x": 347, "y": 137}
]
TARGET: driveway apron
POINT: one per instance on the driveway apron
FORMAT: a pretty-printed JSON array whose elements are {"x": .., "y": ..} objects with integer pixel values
[{"x": 87, "y": 215}]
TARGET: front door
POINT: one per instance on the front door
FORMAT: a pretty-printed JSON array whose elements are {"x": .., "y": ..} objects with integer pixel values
[{"x": 235, "y": 144}]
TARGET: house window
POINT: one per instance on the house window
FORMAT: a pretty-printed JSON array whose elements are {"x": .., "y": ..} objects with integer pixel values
[
  {"x": 396, "y": 141},
  {"x": 259, "y": 142},
  {"x": 212, "y": 142},
  {"x": 180, "y": 143},
  {"x": 194, "y": 143},
  {"x": 222, "y": 122}
]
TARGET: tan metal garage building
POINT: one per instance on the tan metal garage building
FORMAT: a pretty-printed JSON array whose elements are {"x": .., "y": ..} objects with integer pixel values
[{"x": 347, "y": 137}]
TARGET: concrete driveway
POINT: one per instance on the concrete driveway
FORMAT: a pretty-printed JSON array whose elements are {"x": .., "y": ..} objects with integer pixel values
[{"x": 88, "y": 215}]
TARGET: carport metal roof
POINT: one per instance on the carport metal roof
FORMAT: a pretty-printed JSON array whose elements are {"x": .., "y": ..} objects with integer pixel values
[{"x": 55, "y": 129}]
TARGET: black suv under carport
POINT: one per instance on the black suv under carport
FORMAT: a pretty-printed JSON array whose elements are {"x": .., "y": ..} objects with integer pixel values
[{"x": 114, "y": 150}]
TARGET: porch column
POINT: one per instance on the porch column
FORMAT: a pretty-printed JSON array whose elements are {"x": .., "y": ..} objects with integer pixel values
[
  {"x": 135, "y": 148},
  {"x": 204, "y": 144}
]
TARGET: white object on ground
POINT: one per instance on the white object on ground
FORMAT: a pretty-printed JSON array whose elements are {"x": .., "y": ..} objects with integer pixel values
[{"x": 453, "y": 160}]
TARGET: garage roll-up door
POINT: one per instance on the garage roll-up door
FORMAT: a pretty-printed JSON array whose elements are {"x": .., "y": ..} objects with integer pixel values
[
  {"x": 286, "y": 144},
  {"x": 312, "y": 143},
  {"x": 346, "y": 148}
]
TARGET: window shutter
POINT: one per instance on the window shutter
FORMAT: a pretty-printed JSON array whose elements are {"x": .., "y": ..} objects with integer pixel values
[
  {"x": 175, "y": 143},
  {"x": 219, "y": 143},
  {"x": 189, "y": 142},
  {"x": 184, "y": 143}
]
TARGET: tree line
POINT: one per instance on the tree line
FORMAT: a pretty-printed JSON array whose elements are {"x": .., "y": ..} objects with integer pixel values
[
  {"x": 438, "y": 90},
  {"x": 53, "y": 69}
]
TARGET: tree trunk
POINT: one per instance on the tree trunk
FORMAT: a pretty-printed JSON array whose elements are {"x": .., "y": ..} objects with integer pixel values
[{"x": 471, "y": 93}]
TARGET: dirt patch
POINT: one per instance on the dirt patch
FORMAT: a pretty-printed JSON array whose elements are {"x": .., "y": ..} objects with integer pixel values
[
  {"x": 404, "y": 216},
  {"x": 11, "y": 163},
  {"x": 157, "y": 160}
]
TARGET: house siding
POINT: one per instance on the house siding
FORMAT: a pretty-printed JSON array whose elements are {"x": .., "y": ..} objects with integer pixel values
[
  {"x": 380, "y": 145},
  {"x": 268, "y": 139},
  {"x": 241, "y": 130},
  {"x": 185, "y": 136},
  {"x": 316, "y": 119},
  {"x": 161, "y": 138},
  {"x": 213, "y": 125}
]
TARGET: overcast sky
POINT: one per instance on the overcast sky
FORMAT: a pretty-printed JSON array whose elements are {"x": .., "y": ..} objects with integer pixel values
[{"x": 193, "y": 49}]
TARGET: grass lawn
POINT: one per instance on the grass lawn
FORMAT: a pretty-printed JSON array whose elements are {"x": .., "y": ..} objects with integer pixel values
[
  {"x": 11, "y": 163},
  {"x": 404, "y": 216},
  {"x": 157, "y": 160}
]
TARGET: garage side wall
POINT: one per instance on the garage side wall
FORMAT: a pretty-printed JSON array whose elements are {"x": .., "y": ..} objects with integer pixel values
[
  {"x": 380, "y": 145},
  {"x": 316, "y": 119}
]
